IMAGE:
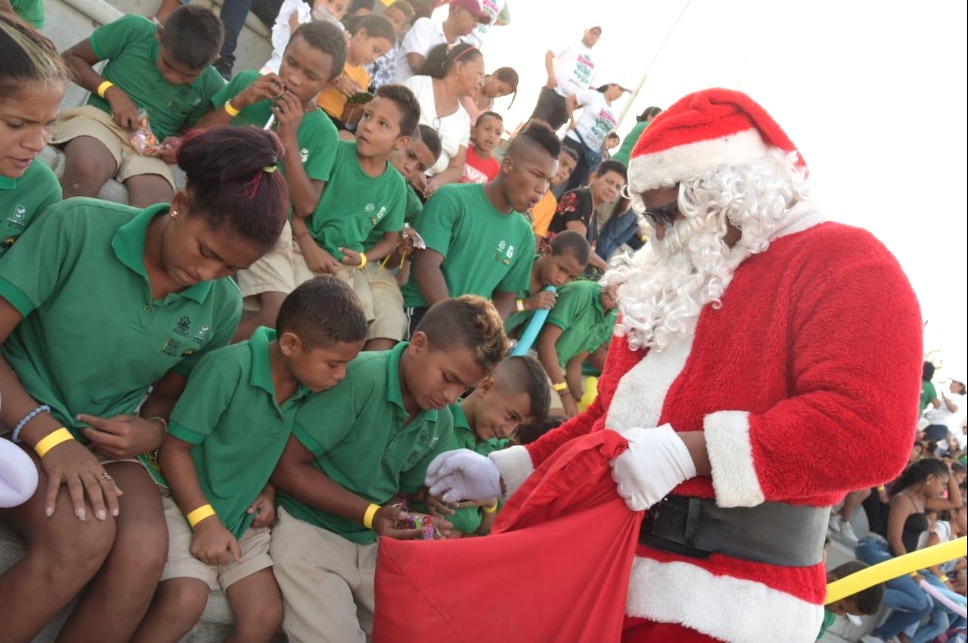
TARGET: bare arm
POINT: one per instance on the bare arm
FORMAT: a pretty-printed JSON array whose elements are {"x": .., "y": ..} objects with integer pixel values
[
  {"x": 429, "y": 277},
  {"x": 504, "y": 302},
  {"x": 571, "y": 104},
  {"x": 453, "y": 174},
  {"x": 176, "y": 463},
  {"x": 953, "y": 501},
  {"x": 573, "y": 375},
  {"x": 383, "y": 247},
  {"x": 81, "y": 60},
  {"x": 580, "y": 228},
  {"x": 550, "y": 68},
  {"x": 416, "y": 62}
]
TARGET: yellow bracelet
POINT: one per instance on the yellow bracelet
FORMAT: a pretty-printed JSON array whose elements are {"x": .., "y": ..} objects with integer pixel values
[
  {"x": 559, "y": 387},
  {"x": 368, "y": 515},
  {"x": 230, "y": 110},
  {"x": 198, "y": 515},
  {"x": 363, "y": 261},
  {"x": 51, "y": 440},
  {"x": 489, "y": 509},
  {"x": 103, "y": 88}
]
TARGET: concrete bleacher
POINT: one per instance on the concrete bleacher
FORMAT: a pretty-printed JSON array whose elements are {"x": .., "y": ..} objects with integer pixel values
[{"x": 68, "y": 22}]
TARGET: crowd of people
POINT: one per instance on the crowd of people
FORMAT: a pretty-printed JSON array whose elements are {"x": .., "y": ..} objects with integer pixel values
[{"x": 313, "y": 292}]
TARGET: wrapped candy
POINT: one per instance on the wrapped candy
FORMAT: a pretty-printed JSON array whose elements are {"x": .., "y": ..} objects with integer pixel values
[
  {"x": 143, "y": 139},
  {"x": 417, "y": 521}
]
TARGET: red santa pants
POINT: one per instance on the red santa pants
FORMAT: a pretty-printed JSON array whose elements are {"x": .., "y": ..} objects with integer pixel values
[{"x": 639, "y": 630}]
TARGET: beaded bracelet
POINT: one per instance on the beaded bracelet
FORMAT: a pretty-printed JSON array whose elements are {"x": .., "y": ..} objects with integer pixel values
[{"x": 25, "y": 420}]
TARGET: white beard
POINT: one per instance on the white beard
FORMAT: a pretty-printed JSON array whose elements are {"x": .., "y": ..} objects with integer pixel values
[{"x": 663, "y": 288}]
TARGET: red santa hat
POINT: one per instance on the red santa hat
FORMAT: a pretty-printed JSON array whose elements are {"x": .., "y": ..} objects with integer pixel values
[{"x": 702, "y": 132}]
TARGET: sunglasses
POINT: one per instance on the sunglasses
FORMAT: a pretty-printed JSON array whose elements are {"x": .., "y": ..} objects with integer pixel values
[{"x": 664, "y": 216}]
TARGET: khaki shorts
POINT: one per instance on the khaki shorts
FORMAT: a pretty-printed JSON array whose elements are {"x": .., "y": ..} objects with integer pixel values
[
  {"x": 181, "y": 563},
  {"x": 284, "y": 268},
  {"x": 91, "y": 121},
  {"x": 390, "y": 319}
]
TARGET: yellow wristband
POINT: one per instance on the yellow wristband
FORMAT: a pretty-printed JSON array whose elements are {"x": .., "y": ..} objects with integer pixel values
[
  {"x": 103, "y": 88},
  {"x": 489, "y": 509},
  {"x": 51, "y": 440},
  {"x": 519, "y": 303},
  {"x": 363, "y": 261},
  {"x": 560, "y": 386},
  {"x": 230, "y": 110},
  {"x": 200, "y": 514},
  {"x": 368, "y": 515}
]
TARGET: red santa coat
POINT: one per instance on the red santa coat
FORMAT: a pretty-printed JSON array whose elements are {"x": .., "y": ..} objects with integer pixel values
[{"x": 805, "y": 383}]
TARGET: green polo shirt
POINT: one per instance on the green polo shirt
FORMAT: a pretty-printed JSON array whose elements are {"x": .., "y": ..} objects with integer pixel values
[
  {"x": 468, "y": 519},
  {"x": 359, "y": 434},
  {"x": 130, "y": 45},
  {"x": 317, "y": 136},
  {"x": 484, "y": 250},
  {"x": 361, "y": 205},
  {"x": 229, "y": 412},
  {"x": 31, "y": 11},
  {"x": 411, "y": 209},
  {"x": 24, "y": 198},
  {"x": 585, "y": 325},
  {"x": 92, "y": 339}
]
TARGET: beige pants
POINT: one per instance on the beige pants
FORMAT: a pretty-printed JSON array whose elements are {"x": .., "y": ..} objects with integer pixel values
[{"x": 326, "y": 582}]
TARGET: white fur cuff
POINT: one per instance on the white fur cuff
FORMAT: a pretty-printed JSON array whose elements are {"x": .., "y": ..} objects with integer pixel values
[
  {"x": 731, "y": 457},
  {"x": 515, "y": 466}
]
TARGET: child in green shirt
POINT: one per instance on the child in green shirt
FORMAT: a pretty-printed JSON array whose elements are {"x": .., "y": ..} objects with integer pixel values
[
  {"x": 354, "y": 448},
  {"x": 558, "y": 263},
  {"x": 581, "y": 322},
  {"x": 485, "y": 421},
  {"x": 865, "y": 602},
  {"x": 477, "y": 240},
  {"x": 32, "y": 82},
  {"x": 314, "y": 56},
  {"x": 164, "y": 73},
  {"x": 224, "y": 439}
]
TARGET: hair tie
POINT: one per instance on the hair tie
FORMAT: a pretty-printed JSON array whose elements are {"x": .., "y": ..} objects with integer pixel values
[
  {"x": 269, "y": 169},
  {"x": 458, "y": 56}
]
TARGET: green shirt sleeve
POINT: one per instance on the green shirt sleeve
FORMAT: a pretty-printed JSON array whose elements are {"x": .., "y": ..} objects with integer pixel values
[
  {"x": 209, "y": 391},
  {"x": 232, "y": 89},
  {"x": 321, "y": 146},
  {"x": 320, "y": 432},
  {"x": 440, "y": 221},
  {"x": 570, "y": 306},
  {"x": 519, "y": 277},
  {"x": 25, "y": 280},
  {"x": 414, "y": 206},
  {"x": 211, "y": 84},
  {"x": 108, "y": 41}
]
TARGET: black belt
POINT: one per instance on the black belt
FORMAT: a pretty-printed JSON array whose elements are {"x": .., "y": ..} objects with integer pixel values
[{"x": 772, "y": 532}]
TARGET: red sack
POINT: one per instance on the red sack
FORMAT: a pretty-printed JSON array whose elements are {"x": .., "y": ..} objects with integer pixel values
[{"x": 555, "y": 567}]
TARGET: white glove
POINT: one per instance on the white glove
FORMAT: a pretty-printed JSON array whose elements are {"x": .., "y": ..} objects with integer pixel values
[
  {"x": 18, "y": 475},
  {"x": 463, "y": 475},
  {"x": 656, "y": 462}
]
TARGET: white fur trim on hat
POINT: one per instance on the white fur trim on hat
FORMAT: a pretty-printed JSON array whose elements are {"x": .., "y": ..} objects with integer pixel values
[
  {"x": 725, "y": 607},
  {"x": 670, "y": 166},
  {"x": 515, "y": 466},
  {"x": 731, "y": 457}
]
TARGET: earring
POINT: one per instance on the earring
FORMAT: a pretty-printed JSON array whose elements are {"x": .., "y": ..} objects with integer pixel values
[{"x": 173, "y": 213}]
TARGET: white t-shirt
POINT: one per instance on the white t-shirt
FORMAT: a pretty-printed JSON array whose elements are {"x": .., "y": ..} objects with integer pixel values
[
  {"x": 454, "y": 130},
  {"x": 424, "y": 35},
  {"x": 942, "y": 415},
  {"x": 596, "y": 120},
  {"x": 282, "y": 30},
  {"x": 491, "y": 8},
  {"x": 574, "y": 69}
]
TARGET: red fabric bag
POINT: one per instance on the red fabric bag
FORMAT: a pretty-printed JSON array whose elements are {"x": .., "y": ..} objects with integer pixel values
[{"x": 555, "y": 567}]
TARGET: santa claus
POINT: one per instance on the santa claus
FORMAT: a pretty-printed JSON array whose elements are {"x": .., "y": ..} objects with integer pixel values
[{"x": 765, "y": 363}]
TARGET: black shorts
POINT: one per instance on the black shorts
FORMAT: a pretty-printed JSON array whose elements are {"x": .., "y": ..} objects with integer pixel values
[
  {"x": 414, "y": 315},
  {"x": 550, "y": 108}
]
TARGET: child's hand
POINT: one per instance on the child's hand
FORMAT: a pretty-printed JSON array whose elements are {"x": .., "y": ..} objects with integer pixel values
[
  {"x": 433, "y": 183},
  {"x": 123, "y": 109},
  {"x": 168, "y": 150},
  {"x": 264, "y": 508},
  {"x": 213, "y": 544},
  {"x": 347, "y": 86},
  {"x": 351, "y": 258},
  {"x": 268, "y": 87},
  {"x": 545, "y": 299},
  {"x": 318, "y": 260},
  {"x": 438, "y": 507},
  {"x": 289, "y": 114},
  {"x": 383, "y": 521},
  {"x": 419, "y": 182},
  {"x": 122, "y": 436}
]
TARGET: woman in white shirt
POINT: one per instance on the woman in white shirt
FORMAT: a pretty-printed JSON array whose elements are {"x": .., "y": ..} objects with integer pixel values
[
  {"x": 587, "y": 135},
  {"x": 448, "y": 74}
]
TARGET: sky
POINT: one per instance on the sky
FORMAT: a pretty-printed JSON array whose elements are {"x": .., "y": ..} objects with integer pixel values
[{"x": 872, "y": 93}]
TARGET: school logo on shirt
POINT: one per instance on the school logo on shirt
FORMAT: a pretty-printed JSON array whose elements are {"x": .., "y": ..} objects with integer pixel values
[
  {"x": 426, "y": 441},
  {"x": 379, "y": 215},
  {"x": 505, "y": 253},
  {"x": 18, "y": 218},
  {"x": 183, "y": 327},
  {"x": 172, "y": 347},
  {"x": 200, "y": 335},
  {"x": 304, "y": 155}
]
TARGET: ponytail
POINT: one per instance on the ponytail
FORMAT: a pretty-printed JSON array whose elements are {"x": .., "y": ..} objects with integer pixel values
[
  {"x": 26, "y": 56},
  {"x": 233, "y": 179}
]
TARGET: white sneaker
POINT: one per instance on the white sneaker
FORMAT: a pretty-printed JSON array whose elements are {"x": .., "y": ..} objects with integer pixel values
[
  {"x": 847, "y": 533},
  {"x": 836, "y": 522}
]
